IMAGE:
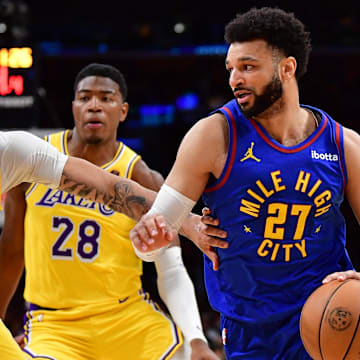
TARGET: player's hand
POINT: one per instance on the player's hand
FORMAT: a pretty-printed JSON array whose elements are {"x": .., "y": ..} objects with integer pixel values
[
  {"x": 20, "y": 340},
  {"x": 342, "y": 276},
  {"x": 211, "y": 225},
  {"x": 201, "y": 351},
  {"x": 205, "y": 234},
  {"x": 151, "y": 233}
]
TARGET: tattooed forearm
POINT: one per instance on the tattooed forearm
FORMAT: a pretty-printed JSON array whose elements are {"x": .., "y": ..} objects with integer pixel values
[
  {"x": 127, "y": 202},
  {"x": 120, "y": 198}
]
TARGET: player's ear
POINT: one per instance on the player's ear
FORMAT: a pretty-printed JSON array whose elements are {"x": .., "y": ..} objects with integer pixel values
[
  {"x": 287, "y": 67},
  {"x": 124, "y": 111}
]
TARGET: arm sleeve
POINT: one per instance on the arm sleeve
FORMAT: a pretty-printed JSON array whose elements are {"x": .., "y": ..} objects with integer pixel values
[
  {"x": 25, "y": 157},
  {"x": 177, "y": 291}
]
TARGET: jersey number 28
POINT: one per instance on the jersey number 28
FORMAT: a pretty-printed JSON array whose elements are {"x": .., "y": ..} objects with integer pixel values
[{"x": 88, "y": 235}]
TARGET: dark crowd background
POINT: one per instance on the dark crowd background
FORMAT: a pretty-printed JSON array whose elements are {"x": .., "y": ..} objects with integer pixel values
[{"x": 172, "y": 56}]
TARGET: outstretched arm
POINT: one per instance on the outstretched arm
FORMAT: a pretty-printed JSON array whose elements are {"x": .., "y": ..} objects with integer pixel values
[
  {"x": 202, "y": 152},
  {"x": 82, "y": 178},
  {"x": 25, "y": 157}
]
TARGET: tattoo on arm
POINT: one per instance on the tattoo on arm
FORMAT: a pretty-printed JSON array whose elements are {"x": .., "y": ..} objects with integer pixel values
[
  {"x": 127, "y": 202},
  {"x": 122, "y": 199}
]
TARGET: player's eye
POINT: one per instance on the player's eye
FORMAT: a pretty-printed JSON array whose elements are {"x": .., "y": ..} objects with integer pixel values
[{"x": 248, "y": 67}]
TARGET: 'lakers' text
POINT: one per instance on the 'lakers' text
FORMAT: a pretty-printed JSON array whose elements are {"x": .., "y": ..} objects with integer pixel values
[{"x": 54, "y": 197}]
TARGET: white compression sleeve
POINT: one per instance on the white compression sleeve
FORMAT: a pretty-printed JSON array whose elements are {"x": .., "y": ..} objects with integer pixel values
[
  {"x": 177, "y": 291},
  {"x": 27, "y": 158},
  {"x": 175, "y": 207},
  {"x": 149, "y": 256}
]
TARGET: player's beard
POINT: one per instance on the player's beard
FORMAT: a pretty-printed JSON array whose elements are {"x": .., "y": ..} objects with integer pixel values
[
  {"x": 93, "y": 140},
  {"x": 272, "y": 92}
]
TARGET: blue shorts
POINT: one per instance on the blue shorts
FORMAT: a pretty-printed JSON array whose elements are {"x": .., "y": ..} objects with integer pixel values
[{"x": 274, "y": 341}]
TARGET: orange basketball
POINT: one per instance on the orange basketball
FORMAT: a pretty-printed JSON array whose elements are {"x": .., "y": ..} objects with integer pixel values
[{"x": 329, "y": 322}]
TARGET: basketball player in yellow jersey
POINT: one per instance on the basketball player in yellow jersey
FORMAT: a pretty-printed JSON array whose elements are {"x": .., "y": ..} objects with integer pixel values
[
  {"x": 82, "y": 275},
  {"x": 25, "y": 157}
]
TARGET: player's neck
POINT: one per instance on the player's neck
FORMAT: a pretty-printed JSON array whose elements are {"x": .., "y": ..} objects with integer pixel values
[
  {"x": 288, "y": 123},
  {"x": 98, "y": 154}
]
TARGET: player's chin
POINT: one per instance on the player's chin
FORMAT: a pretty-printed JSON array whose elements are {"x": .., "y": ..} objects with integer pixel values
[
  {"x": 94, "y": 139},
  {"x": 244, "y": 106}
]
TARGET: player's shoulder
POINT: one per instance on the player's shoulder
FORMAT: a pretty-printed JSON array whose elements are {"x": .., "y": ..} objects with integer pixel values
[
  {"x": 351, "y": 137},
  {"x": 213, "y": 125},
  {"x": 351, "y": 145}
]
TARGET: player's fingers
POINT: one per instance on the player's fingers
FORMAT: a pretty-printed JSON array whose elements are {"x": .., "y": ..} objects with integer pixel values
[
  {"x": 150, "y": 226},
  {"x": 170, "y": 234},
  {"x": 159, "y": 222},
  {"x": 209, "y": 220},
  {"x": 349, "y": 274},
  {"x": 205, "y": 211},
  {"x": 214, "y": 242},
  {"x": 212, "y": 231},
  {"x": 211, "y": 254},
  {"x": 341, "y": 276},
  {"x": 137, "y": 241}
]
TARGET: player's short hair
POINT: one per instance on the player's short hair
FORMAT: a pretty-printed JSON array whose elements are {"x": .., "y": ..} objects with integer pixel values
[
  {"x": 103, "y": 70},
  {"x": 280, "y": 29}
]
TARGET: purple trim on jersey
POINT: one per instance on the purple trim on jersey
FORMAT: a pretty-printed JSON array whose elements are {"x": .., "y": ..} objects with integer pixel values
[
  {"x": 177, "y": 341},
  {"x": 34, "y": 307},
  {"x": 27, "y": 351},
  {"x": 64, "y": 142},
  {"x": 146, "y": 297},
  {"x": 119, "y": 152}
]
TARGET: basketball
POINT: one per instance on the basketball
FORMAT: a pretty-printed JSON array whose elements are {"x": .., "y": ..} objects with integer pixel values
[{"x": 329, "y": 321}]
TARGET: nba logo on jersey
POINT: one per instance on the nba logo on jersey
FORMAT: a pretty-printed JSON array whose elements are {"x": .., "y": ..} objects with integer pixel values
[{"x": 223, "y": 335}]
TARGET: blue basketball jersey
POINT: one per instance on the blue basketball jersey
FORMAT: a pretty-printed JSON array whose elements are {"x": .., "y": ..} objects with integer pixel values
[{"x": 281, "y": 208}]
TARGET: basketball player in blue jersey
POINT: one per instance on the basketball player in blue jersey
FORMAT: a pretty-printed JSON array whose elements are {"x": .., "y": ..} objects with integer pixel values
[
  {"x": 274, "y": 172},
  {"x": 93, "y": 273}
]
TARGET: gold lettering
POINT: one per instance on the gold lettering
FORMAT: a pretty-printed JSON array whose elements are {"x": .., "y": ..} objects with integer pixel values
[
  {"x": 275, "y": 251},
  {"x": 302, "y": 181},
  {"x": 314, "y": 188},
  {"x": 250, "y": 208},
  {"x": 261, "y": 249},
  {"x": 301, "y": 248},
  {"x": 255, "y": 196},
  {"x": 287, "y": 248},
  {"x": 275, "y": 176},
  {"x": 266, "y": 192},
  {"x": 322, "y": 198},
  {"x": 322, "y": 210}
]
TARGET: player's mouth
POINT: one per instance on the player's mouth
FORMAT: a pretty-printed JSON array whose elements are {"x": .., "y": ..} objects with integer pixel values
[
  {"x": 94, "y": 124},
  {"x": 242, "y": 96}
]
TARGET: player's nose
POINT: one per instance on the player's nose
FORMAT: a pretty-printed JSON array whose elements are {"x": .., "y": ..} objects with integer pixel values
[
  {"x": 94, "y": 104},
  {"x": 236, "y": 79}
]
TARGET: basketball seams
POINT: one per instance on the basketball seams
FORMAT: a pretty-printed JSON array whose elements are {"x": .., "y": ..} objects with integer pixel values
[
  {"x": 324, "y": 311},
  {"x": 352, "y": 339}
]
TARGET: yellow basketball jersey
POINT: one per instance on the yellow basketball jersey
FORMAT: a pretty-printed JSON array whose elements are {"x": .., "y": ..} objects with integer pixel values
[
  {"x": 76, "y": 251},
  {"x": 9, "y": 350}
]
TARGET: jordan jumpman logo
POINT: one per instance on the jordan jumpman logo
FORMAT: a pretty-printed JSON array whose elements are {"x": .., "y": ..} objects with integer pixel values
[{"x": 249, "y": 154}]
